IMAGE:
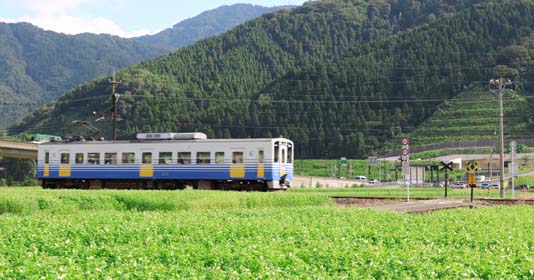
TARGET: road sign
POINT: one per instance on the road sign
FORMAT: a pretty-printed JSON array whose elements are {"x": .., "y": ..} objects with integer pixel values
[
  {"x": 405, "y": 152},
  {"x": 447, "y": 166},
  {"x": 343, "y": 161},
  {"x": 471, "y": 166},
  {"x": 372, "y": 160},
  {"x": 472, "y": 179},
  {"x": 406, "y": 168},
  {"x": 513, "y": 169},
  {"x": 405, "y": 142}
]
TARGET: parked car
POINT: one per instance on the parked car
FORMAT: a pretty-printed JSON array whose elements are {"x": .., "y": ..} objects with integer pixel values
[
  {"x": 524, "y": 187},
  {"x": 484, "y": 186},
  {"x": 494, "y": 186},
  {"x": 360, "y": 178},
  {"x": 374, "y": 182},
  {"x": 458, "y": 185}
]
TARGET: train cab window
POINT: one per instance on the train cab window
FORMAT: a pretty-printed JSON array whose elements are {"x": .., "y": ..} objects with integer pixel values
[
  {"x": 261, "y": 156},
  {"x": 110, "y": 158},
  {"x": 276, "y": 151},
  {"x": 78, "y": 158},
  {"x": 219, "y": 157},
  {"x": 128, "y": 158},
  {"x": 47, "y": 158},
  {"x": 289, "y": 153},
  {"x": 237, "y": 157},
  {"x": 283, "y": 156},
  {"x": 146, "y": 158},
  {"x": 93, "y": 158},
  {"x": 184, "y": 158},
  {"x": 203, "y": 157},
  {"x": 165, "y": 158},
  {"x": 65, "y": 158}
]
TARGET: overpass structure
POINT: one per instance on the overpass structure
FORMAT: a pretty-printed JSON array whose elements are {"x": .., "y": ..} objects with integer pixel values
[{"x": 10, "y": 149}]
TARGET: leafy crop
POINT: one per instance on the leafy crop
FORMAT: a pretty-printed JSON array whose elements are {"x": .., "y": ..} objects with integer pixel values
[{"x": 272, "y": 242}]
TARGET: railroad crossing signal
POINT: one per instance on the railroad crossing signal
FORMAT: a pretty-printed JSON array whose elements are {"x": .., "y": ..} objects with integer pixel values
[
  {"x": 446, "y": 166},
  {"x": 471, "y": 166}
]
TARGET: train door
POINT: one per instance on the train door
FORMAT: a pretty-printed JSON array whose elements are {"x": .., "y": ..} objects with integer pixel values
[
  {"x": 146, "y": 168},
  {"x": 64, "y": 163},
  {"x": 283, "y": 159},
  {"x": 237, "y": 169},
  {"x": 46, "y": 164},
  {"x": 280, "y": 156},
  {"x": 260, "y": 168}
]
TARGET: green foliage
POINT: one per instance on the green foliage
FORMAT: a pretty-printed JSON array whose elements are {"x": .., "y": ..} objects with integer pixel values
[
  {"x": 38, "y": 66},
  {"x": 207, "y": 24},
  {"x": 271, "y": 242},
  {"x": 341, "y": 78}
]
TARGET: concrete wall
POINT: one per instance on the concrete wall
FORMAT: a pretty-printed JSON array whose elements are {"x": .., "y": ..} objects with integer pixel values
[{"x": 324, "y": 182}]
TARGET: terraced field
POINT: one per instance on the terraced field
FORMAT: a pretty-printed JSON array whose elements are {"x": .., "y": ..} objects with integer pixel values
[
  {"x": 213, "y": 235},
  {"x": 473, "y": 115}
]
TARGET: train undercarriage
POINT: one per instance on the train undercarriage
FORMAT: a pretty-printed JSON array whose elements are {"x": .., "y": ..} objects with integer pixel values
[{"x": 94, "y": 184}]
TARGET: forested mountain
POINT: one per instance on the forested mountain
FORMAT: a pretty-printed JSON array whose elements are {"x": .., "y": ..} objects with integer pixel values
[
  {"x": 37, "y": 66},
  {"x": 209, "y": 23},
  {"x": 339, "y": 77}
]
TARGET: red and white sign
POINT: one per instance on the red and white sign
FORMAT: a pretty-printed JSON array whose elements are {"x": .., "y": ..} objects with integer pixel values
[
  {"x": 405, "y": 142},
  {"x": 405, "y": 152}
]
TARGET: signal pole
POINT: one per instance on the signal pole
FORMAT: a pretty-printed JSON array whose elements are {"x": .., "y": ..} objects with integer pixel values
[
  {"x": 114, "y": 84},
  {"x": 501, "y": 85}
]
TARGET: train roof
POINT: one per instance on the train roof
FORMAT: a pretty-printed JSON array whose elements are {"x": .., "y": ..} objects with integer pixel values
[{"x": 165, "y": 141}]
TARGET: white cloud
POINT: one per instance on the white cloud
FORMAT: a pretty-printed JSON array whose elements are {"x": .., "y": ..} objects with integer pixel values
[{"x": 55, "y": 15}]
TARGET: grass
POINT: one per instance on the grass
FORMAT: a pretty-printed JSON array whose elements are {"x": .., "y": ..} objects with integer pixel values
[{"x": 232, "y": 235}]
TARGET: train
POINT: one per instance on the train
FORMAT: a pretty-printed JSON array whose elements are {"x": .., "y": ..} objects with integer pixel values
[{"x": 168, "y": 161}]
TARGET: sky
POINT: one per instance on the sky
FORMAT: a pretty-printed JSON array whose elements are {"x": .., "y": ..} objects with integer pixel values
[{"x": 125, "y": 18}]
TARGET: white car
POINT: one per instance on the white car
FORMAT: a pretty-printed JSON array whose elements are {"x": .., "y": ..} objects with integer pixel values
[
  {"x": 374, "y": 182},
  {"x": 458, "y": 185}
]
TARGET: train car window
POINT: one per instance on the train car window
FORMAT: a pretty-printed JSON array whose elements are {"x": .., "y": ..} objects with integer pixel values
[
  {"x": 146, "y": 158},
  {"x": 289, "y": 153},
  {"x": 128, "y": 158},
  {"x": 203, "y": 157},
  {"x": 261, "y": 156},
  {"x": 65, "y": 158},
  {"x": 237, "y": 157},
  {"x": 184, "y": 158},
  {"x": 47, "y": 158},
  {"x": 276, "y": 151},
  {"x": 283, "y": 156},
  {"x": 219, "y": 157},
  {"x": 78, "y": 158},
  {"x": 93, "y": 158},
  {"x": 110, "y": 158},
  {"x": 165, "y": 158}
]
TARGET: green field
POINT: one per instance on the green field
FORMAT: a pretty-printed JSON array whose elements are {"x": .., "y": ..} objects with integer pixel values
[{"x": 68, "y": 234}]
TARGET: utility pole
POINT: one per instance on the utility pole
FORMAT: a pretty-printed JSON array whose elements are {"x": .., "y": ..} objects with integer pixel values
[
  {"x": 500, "y": 86},
  {"x": 114, "y": 83}
]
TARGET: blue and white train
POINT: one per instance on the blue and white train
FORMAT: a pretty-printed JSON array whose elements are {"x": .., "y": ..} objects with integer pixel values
[{"x": 168, "y": 161}]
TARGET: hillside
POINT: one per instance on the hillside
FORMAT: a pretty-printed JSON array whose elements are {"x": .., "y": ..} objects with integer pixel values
[
  {"x": 341, "y": 78},
  {"x": 37, "y": 66},
  {"x": 472, "y": 115},
  {"x": 207, "y": 24}
]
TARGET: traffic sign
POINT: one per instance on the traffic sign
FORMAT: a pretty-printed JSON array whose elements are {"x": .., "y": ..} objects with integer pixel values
[
  {"x": 471, "y": 166},
  {"x": 406, "y": 168},
  {"x": 405, "y": 152},
  {"x": 446, "y": 165},
  {"x": 472, "y": 179},
  {"x": 405, "y": 142}
]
